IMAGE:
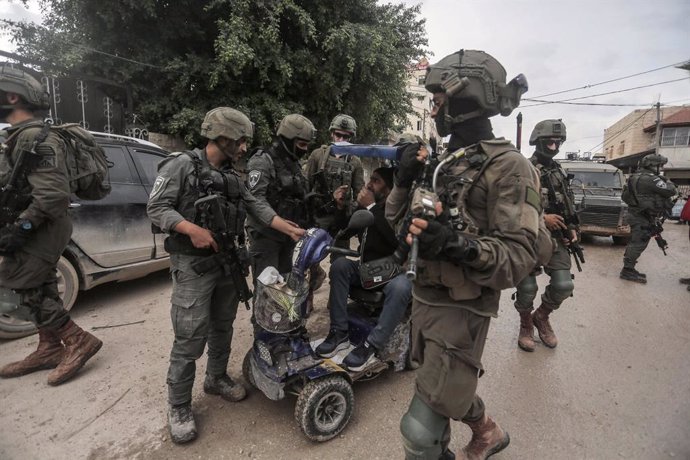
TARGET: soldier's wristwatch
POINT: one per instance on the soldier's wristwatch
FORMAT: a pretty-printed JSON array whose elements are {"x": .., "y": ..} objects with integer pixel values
[{"x": 25, "y": 224}]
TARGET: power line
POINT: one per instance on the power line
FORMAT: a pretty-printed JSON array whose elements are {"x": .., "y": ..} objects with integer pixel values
[
  {"x": 611, "y": 81},
  {"x": 622, "y": 130},
  {"x": 543, "y": 102}
]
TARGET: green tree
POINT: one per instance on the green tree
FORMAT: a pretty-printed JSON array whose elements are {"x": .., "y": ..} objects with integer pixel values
[{"x": 267, "y": 58}]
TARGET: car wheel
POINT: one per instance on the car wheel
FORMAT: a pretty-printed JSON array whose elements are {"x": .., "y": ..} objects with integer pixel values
[
  {"x": 68, "y": 287},
  {"x": 324, "y": 407},
  {"x": 621, "y": 240}
]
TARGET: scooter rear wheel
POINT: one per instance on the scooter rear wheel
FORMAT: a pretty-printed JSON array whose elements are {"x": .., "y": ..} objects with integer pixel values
[{"x": 324, "y": 407}]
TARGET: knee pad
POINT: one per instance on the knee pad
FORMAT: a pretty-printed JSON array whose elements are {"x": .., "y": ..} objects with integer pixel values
[
  {"x": 561, "y": 286},
  {"x": 526, "y": 292},
  {"x": 423, "y": 431}
]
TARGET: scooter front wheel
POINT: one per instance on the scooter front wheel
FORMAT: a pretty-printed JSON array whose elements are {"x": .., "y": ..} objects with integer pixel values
[
  {"x": 247, "y": 369},
  {"x": 324, "y": 407}
]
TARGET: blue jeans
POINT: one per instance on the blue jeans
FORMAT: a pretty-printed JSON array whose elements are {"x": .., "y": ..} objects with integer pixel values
[{"x": 397, "y": 292}]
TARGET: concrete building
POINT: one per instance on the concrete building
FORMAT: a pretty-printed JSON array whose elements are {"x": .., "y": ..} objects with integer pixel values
[
  {"x": 635, "y": 135},
  {"x": 420, "y": 122}
]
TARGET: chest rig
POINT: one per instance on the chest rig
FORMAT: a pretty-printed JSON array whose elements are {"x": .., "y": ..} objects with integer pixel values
[
  {"x": 287, "y": 196},
  {"x": 224, "y": 183},
  {"x": 554, "y": 187}
]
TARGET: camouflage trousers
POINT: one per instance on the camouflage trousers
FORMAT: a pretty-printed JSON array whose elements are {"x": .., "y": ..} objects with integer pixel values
[
  {"x": 203, "y": 311},
  {"x": 448, "y": 343},
  {"x": 640, "y": 234}
]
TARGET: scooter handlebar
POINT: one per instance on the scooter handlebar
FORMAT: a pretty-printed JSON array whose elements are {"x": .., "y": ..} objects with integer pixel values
[{"x": 342, "y": 251}]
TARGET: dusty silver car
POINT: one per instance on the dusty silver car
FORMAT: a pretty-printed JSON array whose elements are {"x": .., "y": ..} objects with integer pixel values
[
  {"x": 112, "y": 238},
  {"x": 597, "y": 188}
]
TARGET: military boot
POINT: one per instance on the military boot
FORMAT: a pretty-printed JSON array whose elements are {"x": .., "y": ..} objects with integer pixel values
[
  {"x": 541, "y": 321},
  {"x": 80, "y": 347},
  {"x": 526, "y": 337},
  {"x": 224, "y": 386},
  {"x": 487, "y": 439},
  {"x": 48, "y": 355},
  {"x": 643, "y": 275},
  {"x": 181, "y": 423},
  {"x": 630, "y": 274}
]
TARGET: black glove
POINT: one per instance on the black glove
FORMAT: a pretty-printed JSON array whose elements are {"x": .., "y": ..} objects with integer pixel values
[
  {"x": 13, "y": 237},
  {"x": 440, "y": 242},
  {"x": 409, "y": 167}
]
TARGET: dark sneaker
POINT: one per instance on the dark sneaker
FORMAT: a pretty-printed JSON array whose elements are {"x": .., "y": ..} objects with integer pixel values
[
  {"x": 181, "y": 423},
  {"x": 224, "y": 386},
  {"x": 335, "y": 341},
  {"x": 631, "y": 275},
  {"x": 360, "y": 357}
]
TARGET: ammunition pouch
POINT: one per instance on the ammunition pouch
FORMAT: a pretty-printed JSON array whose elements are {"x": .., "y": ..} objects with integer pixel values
[{"x": 178, "y": 243}]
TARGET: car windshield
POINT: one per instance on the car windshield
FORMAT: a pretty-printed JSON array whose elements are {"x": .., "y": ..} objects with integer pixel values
[{"x": 606, "y": 179}]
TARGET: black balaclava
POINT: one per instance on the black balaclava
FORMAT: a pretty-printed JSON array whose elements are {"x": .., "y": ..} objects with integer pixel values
[
  {"x": 544, "y": 154},
  {"x": 291, "y": 149},
  {"x": 469, "y": 132}
]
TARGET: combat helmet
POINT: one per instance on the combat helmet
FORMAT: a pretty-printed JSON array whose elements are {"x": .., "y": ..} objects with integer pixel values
[
  {"x": 228, "y": 123},
  {"x": 653, "y": 161},
  {"x": 344, "y": 123},
  {"x": 474, "y": 79},
  {"x": 293, "y": 128},
  {"x": 549, "y": 129},
  {"x": 14, "y": 80},
  {"x": 296, "y": 126}
]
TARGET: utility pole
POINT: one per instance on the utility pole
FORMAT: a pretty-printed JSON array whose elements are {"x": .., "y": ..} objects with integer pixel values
[
  {"x": 518, "y": 137},
  {"x": 658, "y": 127}
]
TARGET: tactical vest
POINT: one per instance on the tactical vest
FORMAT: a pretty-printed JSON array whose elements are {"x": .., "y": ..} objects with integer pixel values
[
  {"x": 458, "y": 192},
  {"x": 556, "y": 176},
  {"x": 206, "y": 181},
  {"x": 287, "y": 195}
]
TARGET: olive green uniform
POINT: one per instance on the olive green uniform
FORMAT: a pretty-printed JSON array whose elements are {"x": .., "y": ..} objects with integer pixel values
[
  {"x": 31, "y": 270},
  {"x": 653, "y": 193},
  {"x": 337, "y": 171},
  {"x": 203, "y": 307},
  {"x": 560, "y": 285},
  {"x": 453, "y": 304},
  {"x": 278, "y": 183}
]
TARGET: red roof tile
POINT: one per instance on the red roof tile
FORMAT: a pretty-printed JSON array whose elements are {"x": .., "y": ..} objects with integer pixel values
[{"x": 681, "y": 117}]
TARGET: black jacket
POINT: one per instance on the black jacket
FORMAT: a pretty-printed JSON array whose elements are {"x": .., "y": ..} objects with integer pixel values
[{"x": 381, "y": 239}]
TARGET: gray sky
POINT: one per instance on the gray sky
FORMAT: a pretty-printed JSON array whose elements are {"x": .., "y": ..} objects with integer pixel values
[
  {"x": 558, "y": 45},
  {"x": 565, "y": 44}
]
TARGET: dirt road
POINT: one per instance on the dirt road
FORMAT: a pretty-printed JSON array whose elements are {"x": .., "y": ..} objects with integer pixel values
[{"x": 617, "y": 386}]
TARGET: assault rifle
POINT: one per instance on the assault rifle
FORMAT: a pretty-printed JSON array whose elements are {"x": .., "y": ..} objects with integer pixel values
[
  {"x": 570, "y": 219},
  {"x": 12, "y": 202},
  {"x": 326, "y": 185},
  {"x": 656, "y": 229},
  {"x": 233, "y": 259}
]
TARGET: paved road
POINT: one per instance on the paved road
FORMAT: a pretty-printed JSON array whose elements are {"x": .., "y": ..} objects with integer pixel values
[{"x": 617, "y": 386}]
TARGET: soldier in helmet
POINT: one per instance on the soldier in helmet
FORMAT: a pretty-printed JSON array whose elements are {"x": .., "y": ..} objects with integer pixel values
[
  {"x": 276, "y": 179},
  {"x": 204, "y": 307},
  {"x": 329, "y": 173},
  {"x": 35, "y": 229},
  {"x": 649, "y": 198},
  {"x": 465, "y": 259},
  {"x": 559, "y": 204}
]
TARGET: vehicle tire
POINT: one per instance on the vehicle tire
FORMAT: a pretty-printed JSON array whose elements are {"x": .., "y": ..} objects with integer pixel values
[
  {"x": 247, "y": 369},
  {"x": 621, "y": 240},
  {"x": 68, "y": 287},
  {"x": 324, "y": 407}
]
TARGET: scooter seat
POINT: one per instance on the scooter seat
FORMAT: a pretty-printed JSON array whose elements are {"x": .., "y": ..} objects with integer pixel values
[{"x": 366, "y": 296}]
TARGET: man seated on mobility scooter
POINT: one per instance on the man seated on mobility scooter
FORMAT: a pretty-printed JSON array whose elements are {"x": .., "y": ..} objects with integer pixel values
[{"x": 377, "y": 269}]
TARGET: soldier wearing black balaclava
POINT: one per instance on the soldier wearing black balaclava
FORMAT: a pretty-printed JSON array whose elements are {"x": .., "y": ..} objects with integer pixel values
[
  {"x": 557, "y": 198},
  {"x": 463, "y": 266},
  {"x": 648, "y": 196},
  {"x": 275, "y": 177}
]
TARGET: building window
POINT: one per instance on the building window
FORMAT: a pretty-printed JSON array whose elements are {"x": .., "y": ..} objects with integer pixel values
[
  {"x": 621, "y": 148},
  {"x": 679, "y": 137},
  {"x": 419, "y": 125},
  {"x": 421, "y": 79}
]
